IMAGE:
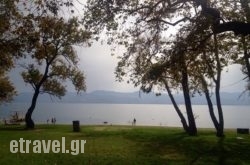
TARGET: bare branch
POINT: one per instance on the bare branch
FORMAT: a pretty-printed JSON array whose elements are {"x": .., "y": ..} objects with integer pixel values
[{"x": 169, "y": 23}]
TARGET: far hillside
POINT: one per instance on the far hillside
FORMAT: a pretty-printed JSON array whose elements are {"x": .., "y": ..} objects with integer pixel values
[{"x": 111, "y": 97}]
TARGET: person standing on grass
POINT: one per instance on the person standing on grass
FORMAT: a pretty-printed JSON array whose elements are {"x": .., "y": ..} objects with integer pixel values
[{"x": 134, "y": 122}]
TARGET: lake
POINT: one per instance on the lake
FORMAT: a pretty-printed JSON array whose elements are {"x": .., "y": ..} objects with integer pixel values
[{"x": 123, "y": 114}]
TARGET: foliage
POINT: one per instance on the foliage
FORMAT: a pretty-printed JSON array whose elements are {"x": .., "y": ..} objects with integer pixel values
[
  {"x": 189, "y": 58},
  {"x": 49, "y": 38},
  {"x": 10, "y": 46},
  {"x": 15, "y": 23},
  {"x": 7, "y": 90},
  {"x": 131, "y": 23},
  {"x": 53, "y": 51}
]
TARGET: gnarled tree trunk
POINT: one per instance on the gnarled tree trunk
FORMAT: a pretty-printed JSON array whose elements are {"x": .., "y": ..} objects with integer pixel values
[
  {"x": 210, "y": 105},
  {"x": 220, "y": 132},
  {"x": 28, "y": 120},
  {"x": 185, "y": 87},
  {"x": 246, "y": 8},
  {"x": 177, "y": 109},
  {"x": 190, "y": 115}
]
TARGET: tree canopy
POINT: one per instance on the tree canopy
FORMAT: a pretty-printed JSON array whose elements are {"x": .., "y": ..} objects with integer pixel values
[
  {"x": 40, "y": 33},
  {"x": 10, "y": 46},
  {"x": 149, "y": 23},
  {"x": 53, "y": 48},
  {"x": 54, "y": 51},
  {"x": 208, "y": 35}
]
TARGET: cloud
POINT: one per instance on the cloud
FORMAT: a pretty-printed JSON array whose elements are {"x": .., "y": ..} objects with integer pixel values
[
  {"x": 232, "y": 79},
  {"x": 99, "y": 67}
]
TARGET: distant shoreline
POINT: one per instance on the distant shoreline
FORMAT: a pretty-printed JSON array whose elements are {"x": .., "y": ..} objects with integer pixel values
[{"x": 109, "y": 97}]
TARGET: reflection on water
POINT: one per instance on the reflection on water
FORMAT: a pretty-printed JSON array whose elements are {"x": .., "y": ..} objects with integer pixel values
[{"x": 123, "y": 114}]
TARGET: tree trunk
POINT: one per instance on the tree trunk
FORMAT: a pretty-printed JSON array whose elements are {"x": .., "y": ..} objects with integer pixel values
[
  {"x": 246, "y": 8},
  {"x": 220, "y": 132},
  {"x": 183, "y": 120},
  {"x": 210, "y": 104},
  {"x": 190, "y": 115},
  {"x": 211, "y": 111},
  {"x": 246, "y": 56},
  {"x": 28, "y": 120}
]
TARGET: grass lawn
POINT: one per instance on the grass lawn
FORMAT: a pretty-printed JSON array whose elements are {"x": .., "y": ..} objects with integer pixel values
[{"x": 129, "y": 145}]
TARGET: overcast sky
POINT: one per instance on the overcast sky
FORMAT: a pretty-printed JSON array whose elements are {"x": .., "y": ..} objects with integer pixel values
[{"x": 99, "y": 67}]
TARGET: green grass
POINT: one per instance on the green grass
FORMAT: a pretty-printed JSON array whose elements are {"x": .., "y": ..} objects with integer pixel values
[{"x": 129, "y": 145}]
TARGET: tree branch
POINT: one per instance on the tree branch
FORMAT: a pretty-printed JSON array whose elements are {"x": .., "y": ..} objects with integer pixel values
[
  {"x": 236, "y": 26},
  {"x": 169, "y": 23}
]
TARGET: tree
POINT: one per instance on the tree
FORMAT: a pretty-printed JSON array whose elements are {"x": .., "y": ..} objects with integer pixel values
[
  {"x": 10, "y": 46},
  {"x": 245, "y": 40},
  {"x": 145, "y": 21},
  {"x": 34, "y": 30},
  {"x": 209, "y": 68},
  {"x": 149, "y": 63},
  {"x": 53, "y": 56},
  {"x": 238, "y": 27},
  {"x": 7, "y": 91},
  {"x": 143, "y": 28}
]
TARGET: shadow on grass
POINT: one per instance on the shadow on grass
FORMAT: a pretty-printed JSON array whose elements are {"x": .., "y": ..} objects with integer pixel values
[
  {"x": 204, "y": 149},
  {"x": 224, "y": 151},
  {"x": 161, "y": 143}
]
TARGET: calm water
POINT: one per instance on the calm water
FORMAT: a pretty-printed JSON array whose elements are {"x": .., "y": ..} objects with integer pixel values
[{"x": 123, "y": 114}]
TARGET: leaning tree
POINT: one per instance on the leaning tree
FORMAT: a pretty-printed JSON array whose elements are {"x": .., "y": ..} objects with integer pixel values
[
  {"x": 52, "y": 57},
  {"x": 129, "y": 22}
]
